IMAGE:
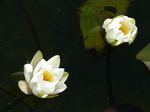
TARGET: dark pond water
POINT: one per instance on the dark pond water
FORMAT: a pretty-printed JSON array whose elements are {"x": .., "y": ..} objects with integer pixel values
[{"x": 57, "y": 25}]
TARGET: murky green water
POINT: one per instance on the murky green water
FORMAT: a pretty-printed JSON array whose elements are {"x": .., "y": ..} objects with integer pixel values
[{"x": 57, "y": 25}]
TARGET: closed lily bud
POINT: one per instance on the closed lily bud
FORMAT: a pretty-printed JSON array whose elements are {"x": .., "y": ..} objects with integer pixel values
[{"x": 120, "y": 30}]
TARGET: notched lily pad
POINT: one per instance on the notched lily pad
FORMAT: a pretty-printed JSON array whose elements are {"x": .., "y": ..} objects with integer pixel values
[
  {"x": 92, "y": 14},
  {"x": 144, "y": 55},
  {"x": 111, "y": 9}
]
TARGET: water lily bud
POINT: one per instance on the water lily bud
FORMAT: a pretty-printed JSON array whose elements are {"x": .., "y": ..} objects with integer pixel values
[
  {"x": 119, "y": 30},
  {"x": 43, "y": 79}
]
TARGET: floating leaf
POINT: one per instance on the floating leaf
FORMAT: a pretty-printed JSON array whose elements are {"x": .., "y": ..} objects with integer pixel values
[
  {"x": 92, "y": 15},
  {"x": 17, "y": 76},
  {"x": 123, "y": 108},
  {"x": 144, "y": 55}
]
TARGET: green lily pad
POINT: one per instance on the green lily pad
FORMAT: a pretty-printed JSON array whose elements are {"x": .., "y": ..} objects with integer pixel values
[
  {"x": 144, "y": 55},
  {"x": 92, "y": 15}
]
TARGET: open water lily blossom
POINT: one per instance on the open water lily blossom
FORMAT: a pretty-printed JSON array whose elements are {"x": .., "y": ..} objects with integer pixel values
[
  {"x": 119, "y": 30},
  {"x": 43, "y": 78}
]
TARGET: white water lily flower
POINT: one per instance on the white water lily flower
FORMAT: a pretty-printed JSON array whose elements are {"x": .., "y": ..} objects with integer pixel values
[
  {"x": 43, "y": 78},
  {"x": 119, "y": 30}
]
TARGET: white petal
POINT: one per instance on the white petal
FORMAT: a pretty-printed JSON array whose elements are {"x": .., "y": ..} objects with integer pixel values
[
  {"x": 41, "y": 65},
  {"x": 64, "y": 77},
  {"x": 106, "y": 23},
  {"x": 24, "y": 86},
  {"x": 114, "y": 25},
  {"x": 60, "y": 87},
  {"x": 28, "y": 69},
  {"x": 117, "y": 39},
  {"x": 116, "y": 21},
  {"x": 54, "y": 61},
  {"x": 38, "y": 77},
  {"x": 132, "y": 20},
  {"x": 110, "y": 35},
  {"x": 58, "y": 73},
  {"x": 119, "y": 35},
  {"x": 37, "y": 92},
  {"x": 47, "y": 87},
  {"x": 134, "y": 31},
  {"x": 36, "y": 58}
]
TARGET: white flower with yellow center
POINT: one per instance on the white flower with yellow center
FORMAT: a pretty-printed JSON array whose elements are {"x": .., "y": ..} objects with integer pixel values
[
  {"x": 119, "y": 30},
  {"x": 43, "y": 78}
]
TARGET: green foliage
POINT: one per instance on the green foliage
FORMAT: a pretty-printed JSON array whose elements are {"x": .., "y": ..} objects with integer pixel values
[
  {"x": 144, "y": 55},
  {"x": 92, "y": 15}
]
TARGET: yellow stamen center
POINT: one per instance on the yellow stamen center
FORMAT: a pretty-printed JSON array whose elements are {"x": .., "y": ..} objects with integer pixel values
[
  {"x": 47, "y": 76},
  {"x": 124, "y": 28}
]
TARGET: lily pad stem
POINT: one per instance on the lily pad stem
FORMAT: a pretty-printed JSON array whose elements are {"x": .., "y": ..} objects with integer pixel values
[
  {"x": 36, "y": 38},
  {"x": 72, "y": 52},
  {"x": 108, "y": 76},
  {"x": 7, "y": 90}
]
